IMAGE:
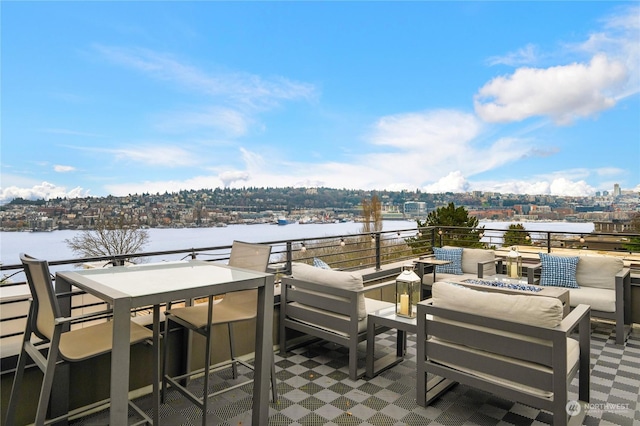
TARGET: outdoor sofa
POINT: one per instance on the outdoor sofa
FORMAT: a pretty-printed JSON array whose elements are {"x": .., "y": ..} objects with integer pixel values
[{"x": 600, "y": 281}]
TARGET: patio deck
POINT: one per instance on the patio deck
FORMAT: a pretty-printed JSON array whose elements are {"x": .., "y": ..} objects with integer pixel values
[{"x": 315, "y": 389}]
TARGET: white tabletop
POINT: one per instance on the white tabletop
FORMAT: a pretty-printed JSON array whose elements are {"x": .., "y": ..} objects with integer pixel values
[{"x": 158, "y": 282}]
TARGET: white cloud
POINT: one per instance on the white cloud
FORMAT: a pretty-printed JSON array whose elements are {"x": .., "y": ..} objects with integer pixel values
[
  {"x": 246, "y": 89},
  {"x": 151, "y": 154},
  {"x": 453, "y": 182},
  {"x": 426, "y": 146},
  {"x": 556, "y": 186},
  {"x": 562, "y": 93},
  {"x": 424, "y": 130},
  {"x": 228, "y": 178},
  {"x": 167, "y": 156},
  {"x": 45, "y": 190},
  {"x": 524, "y": 56},
  {"x": 63, "y": 169},
  {"x": 153, "y": 187},
  {"x": 619, "y": 39},
  {"x": 232, "y": 122}
]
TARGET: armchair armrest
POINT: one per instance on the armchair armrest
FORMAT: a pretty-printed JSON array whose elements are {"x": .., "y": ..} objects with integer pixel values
[
  {"x": 531, "y": 272},
  {"x": 377, "y": 286},
  {"x": 578, "y": 314},
  {"x": 481, "y": 266},
  {"x": 623, "y": 293},
  {"x": 427, "y": 256}
]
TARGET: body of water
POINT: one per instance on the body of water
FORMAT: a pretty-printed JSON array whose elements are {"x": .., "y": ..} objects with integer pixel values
[{"x": 52, "y": 246}]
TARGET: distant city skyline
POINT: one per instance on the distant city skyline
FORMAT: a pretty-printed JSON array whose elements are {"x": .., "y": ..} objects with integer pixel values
[{"x": 116, "y": 98}]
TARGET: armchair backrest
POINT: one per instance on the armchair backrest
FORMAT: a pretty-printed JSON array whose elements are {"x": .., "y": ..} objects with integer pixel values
[
  {"x": 598, "y": 271},
  {"x": 328, "y": 279},
  {"x": 471, "y": 257},
  {"x": 45, "y": 303}
]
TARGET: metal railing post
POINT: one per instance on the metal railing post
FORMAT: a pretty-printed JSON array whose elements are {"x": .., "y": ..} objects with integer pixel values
[
  {"x": 378, "y": 252},
  {"x": 289, "y": 256}
]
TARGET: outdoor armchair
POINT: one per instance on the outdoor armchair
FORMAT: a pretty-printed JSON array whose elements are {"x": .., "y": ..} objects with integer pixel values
[
  {"x": 330, "y": 305},
  {"x": 514, "y": 346}
]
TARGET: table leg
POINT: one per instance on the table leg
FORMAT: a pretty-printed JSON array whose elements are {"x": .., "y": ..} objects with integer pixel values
[
  {"x": 120, "y": 362},
  {"x": 264, "y": 354},
  {"x": 371, "y": 344},
  {"x": 156, "y": 364},
  {"x": 401, "y": 343}
]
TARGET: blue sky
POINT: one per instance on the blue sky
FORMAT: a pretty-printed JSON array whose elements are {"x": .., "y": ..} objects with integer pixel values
[{"x": 119, "y": 98}]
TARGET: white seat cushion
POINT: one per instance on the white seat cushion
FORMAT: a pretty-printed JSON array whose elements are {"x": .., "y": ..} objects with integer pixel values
[
  {"x": 600, "y": 299},
  {"x": 573, "y": 357},
  {"x": 372, "y": 305}
]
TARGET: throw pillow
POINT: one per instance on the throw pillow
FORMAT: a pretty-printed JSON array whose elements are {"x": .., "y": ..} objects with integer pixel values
[
  {"x": 558, "y": 271},
  {"x": 452, "y": 254},
  {"x": 319, "y": 263}
]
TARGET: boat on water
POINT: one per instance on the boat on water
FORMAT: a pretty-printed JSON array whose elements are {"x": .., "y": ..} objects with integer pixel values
[{"x": 283, "y": 221}]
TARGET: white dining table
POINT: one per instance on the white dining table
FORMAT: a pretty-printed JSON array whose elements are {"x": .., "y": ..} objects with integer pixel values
[{"x": 130, "y": 287}]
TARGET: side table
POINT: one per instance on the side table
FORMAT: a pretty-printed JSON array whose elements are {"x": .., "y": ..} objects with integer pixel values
[{"x": 387, "y": 318}]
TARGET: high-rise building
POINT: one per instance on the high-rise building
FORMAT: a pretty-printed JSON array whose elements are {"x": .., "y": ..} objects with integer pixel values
[{"x": 616, "y": 190}]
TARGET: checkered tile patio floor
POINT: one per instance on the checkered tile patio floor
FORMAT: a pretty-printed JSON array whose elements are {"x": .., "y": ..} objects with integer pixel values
[{"x": 314, "y": 389}]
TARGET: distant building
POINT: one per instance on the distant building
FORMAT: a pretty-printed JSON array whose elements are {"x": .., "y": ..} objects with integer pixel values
[
  {"x": 415, "y": 209},
  {"x": 616, "y": 190},
  {"x": 615, "y": 225}
]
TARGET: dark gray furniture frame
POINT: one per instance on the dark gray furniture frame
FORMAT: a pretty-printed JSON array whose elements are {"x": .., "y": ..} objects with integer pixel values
[
  {"x": 324, "y": 323},
  {"x": 499, "y": 337}
]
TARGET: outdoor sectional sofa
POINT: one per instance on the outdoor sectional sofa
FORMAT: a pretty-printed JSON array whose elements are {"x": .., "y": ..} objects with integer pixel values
[{"x": 600, "y": 281}]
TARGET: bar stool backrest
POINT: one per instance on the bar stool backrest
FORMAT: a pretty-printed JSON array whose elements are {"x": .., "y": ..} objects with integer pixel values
[{"x": 44, "y": 302}]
